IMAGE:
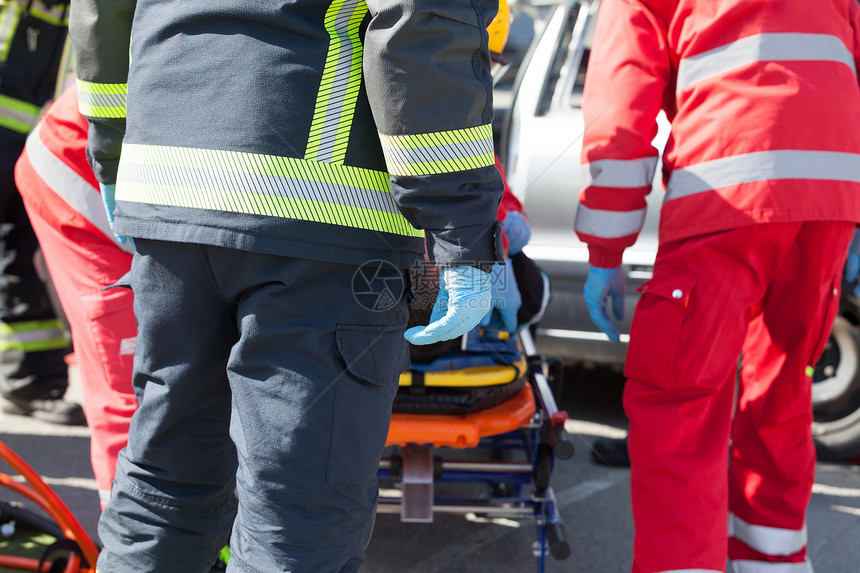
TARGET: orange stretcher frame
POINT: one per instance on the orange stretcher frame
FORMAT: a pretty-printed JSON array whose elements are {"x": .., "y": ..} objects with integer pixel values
[
  {"x": 462, "y": 430},
  {"x": 38, "y": 491}
]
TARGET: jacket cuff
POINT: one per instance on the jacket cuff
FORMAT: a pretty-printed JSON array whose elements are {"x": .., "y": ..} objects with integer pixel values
[
  {"x": 478, "y": 246},
  {"x": 604, "y": 258},
  {"x": 104, "y": 146}
]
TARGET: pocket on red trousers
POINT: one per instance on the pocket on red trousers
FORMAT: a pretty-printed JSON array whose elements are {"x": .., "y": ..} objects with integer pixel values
[{"x": 658, "y": 326}]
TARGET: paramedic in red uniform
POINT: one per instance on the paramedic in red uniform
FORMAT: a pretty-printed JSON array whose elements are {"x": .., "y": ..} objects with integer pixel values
[
  {"x": 61, "y": 196},
  {"x": 762, "y": 176}
]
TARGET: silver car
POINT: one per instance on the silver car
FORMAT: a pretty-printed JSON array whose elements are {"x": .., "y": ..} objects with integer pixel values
[{"x": 540, "y": 136}]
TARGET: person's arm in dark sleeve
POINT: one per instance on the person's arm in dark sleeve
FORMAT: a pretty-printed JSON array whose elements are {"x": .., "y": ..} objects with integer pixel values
[
  {"x": 427, "y": 70},
  {"x": 100, "y": 32}
]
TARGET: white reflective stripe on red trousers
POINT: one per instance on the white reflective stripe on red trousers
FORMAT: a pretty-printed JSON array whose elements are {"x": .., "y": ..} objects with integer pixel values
[
  {"x": 767, "y": 540},
  {"x": 743, "y": 566}
]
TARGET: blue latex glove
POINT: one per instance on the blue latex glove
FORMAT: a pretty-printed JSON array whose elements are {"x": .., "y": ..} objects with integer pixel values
[
  {"x": 506, "y": 299},
  {"x": 517, "y": 230},
  {"x": 852, "y": 263},
  {"x": 600, "y": 285},
  {"x": 463, "y": 299},
  {"x": 109, "y": 201}
]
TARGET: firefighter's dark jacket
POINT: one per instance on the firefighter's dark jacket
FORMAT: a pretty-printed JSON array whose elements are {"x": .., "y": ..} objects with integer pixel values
[
  {"x": 32, "y": 37},
  {"x": 333, "y": 130}
]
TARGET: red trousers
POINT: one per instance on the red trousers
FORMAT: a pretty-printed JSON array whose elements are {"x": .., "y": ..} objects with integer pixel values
[
  {"x": 82, "y": 260},
  {"x": 721, "y": 468}
]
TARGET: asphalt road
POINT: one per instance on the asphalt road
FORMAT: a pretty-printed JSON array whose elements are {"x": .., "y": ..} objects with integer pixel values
[{"x": 593, "y": 499}]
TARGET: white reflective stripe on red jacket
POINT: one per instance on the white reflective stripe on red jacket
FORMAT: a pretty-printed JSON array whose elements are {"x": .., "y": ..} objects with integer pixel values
[
  {"x": 765, "y": 82},
  {"x": 621, "y": 173},
  {"x": 762, "y": 48},
  {"x": 608, "y": 224},
  {"x": 768, "y": 540},
  {"x": 68, "y": 185},
  {"x": 763, "y": 166},
  {"x": 743, "y": 566}
]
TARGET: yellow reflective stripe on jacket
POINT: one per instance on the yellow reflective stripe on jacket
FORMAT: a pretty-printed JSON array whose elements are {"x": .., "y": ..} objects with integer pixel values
[
  {"x": 33, "y": 336},
  {"x": 439, "y": 152},
  {"x": 17, "y": 115},
  {"x": 341, "y": 81},
  {"x": 101, "y": 100},
  {"x": 259, "y": 184},
  {"x": 56, "y": 15},
  {"x": 10, "y": 14}
]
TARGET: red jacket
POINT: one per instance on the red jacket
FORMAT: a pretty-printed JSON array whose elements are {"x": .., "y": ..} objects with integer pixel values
[{"x": 764, "y": 103}]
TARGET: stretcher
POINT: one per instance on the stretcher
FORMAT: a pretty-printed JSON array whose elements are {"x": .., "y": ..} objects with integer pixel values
[{"x": 484, "y": 415}]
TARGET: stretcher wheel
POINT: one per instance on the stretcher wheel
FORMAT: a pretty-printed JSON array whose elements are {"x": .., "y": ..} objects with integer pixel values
[
  {"x": 560, "y": 442},
  {"x": 556, "y": 539}
]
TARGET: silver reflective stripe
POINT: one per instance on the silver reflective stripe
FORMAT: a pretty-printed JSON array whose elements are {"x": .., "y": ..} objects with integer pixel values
[
  {"x": 627, "y": 174},
  {"x": 767, "y": 540},
  {"x": 341, "y": 81},
  {"x": 763, "y": 48},
  {"x": 99, "y": 100},
  {"x": 744, "y": 566},
  {"x": 439, "y": 152},
  {"x": 31, "y": 335},
  {"x": 763, "y": 166},
  {"x": 692, "y": 571},
  {"x": 73, "y": 189},
  {"x": 215, "y": 182},
  {"x": 608, "y": 224}
]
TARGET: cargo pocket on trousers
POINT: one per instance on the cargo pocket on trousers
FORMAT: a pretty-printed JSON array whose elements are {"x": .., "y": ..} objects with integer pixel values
[
  {"x": 374, "y": 357},
  {"x": 827, "y": 324},
  {"x": 657, "y": 328}
]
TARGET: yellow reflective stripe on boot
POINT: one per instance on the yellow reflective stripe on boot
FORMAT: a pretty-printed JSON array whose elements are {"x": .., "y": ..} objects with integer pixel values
[
  {"x": 260, "y": 184},
  {"x": 439, "y": 152},
  {"x": 33, "y": 336},
  {"x": 341, "y": 81},
  {"x": 17, "y": 115},
  {"x": 101, "y": 100},
  {"x": 10, "y": 14}
]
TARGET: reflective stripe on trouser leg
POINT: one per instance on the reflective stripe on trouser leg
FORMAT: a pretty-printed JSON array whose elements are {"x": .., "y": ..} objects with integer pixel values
[
  {"x": 17, "y": 115},
  {"x": 742, "y": 566},
  {"x": 33, "y": 335}
]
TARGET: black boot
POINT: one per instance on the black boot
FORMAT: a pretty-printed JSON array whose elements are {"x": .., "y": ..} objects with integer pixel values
[
  {"x": 53, "y": 410},
  {"x": 610, "y": 452}
]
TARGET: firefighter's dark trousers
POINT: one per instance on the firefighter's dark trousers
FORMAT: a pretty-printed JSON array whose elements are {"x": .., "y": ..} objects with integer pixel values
[
  {"x": 33, "y": 343},
  {"x": 261, "y": 377}
]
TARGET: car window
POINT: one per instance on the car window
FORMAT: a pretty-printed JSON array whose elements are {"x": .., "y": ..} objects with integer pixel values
[{"x": 579, "y": 80}]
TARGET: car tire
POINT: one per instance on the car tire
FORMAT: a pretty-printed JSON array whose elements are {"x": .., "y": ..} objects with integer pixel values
[{"x": 836, "y": 394}]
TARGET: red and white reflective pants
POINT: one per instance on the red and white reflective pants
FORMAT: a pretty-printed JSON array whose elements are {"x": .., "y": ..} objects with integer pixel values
[
  {"x": 82, "y": 260},
  {"x": 771, "y": 292}
]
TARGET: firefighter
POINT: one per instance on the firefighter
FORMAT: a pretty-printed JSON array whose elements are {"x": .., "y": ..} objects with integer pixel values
[
  {"x": 61, "y": 196},
  {"x": 280, "y": 169},
  {"x": 762, "y": 197},
  {"x": 33, "y": 342}
]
